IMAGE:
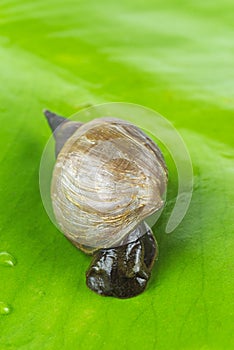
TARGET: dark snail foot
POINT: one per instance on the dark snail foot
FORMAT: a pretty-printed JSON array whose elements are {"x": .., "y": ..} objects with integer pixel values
[{"x": 123, "y": 272}]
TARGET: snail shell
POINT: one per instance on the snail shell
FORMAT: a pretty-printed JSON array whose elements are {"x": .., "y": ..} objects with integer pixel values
[{"x": 108, "y": 177}]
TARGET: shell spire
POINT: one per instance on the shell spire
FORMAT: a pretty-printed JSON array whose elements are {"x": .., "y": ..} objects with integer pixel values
[
  {"x": 54, "y": 120},
  {"x": 62, "y": 129}
]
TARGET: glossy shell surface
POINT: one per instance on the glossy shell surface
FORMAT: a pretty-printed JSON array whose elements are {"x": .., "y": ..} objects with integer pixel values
[{"x": 108, "y": 177}]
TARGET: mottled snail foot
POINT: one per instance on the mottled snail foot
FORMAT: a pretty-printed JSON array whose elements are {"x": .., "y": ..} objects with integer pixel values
[{"x": 124, "y": 271}]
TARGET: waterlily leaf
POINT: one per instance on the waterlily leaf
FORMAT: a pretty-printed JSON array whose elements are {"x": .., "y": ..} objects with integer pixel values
[{"x": 173, "y": 56}]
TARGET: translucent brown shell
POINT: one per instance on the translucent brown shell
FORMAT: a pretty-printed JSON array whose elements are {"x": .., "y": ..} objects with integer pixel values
[{"x": 109, "y": 176}]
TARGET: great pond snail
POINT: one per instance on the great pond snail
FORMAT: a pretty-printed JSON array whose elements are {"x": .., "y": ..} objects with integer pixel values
[{"x": 108, "y": 178}]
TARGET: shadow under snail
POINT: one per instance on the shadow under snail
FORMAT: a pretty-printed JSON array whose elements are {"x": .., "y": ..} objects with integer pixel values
[{"x": 108, "y": 178}]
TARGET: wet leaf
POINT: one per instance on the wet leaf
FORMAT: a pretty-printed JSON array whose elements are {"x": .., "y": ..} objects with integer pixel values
[{"x": 174, "y": 57}]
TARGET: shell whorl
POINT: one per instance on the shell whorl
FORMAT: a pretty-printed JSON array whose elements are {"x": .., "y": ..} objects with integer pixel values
[{"x": 109, "y": 176}]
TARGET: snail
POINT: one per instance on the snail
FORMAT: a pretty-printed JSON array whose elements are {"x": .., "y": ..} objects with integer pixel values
[{"x": 108, "y": 178}]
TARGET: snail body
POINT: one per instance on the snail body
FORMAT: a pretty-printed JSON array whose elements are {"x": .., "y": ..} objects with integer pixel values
[
  {"x": 109, "y": 176},
  {"x": 123, "y": 271}
]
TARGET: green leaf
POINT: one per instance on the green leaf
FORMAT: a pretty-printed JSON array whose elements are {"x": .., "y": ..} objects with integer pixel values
[{"x": 173, "y": 56}]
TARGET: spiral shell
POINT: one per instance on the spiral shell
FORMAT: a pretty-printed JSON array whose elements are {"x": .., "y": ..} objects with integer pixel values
[{"x": 109, "y": 176}]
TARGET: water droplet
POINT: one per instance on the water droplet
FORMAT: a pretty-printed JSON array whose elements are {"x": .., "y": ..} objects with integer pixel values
[
  {"x": 5, "y": 309},
  {"x": 7, "y": 259}
]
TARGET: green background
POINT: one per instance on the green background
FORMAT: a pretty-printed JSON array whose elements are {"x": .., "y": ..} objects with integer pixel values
[{"x": 176, "y": 57}]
